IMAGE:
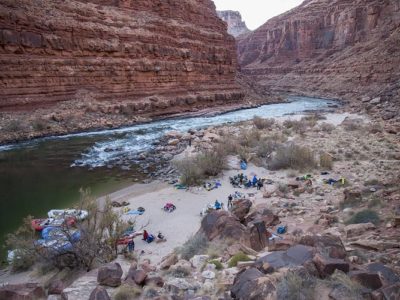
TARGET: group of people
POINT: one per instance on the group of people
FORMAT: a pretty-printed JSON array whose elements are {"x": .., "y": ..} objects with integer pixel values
[
  {"x": 147, "y": 237},
  {"x": 256, "y": 182},
  {"x": 242, "y": 180}
]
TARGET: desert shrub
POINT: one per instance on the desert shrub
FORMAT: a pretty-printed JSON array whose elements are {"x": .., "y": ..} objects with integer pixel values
[
  {"x": 296, "y": 286},
  {"x": 249, "y": 138},
  {"x": 244, "y": 153},
  {"x": 352, "y": 124},
  {"x": 375, "y": 128},
  {"x": 240, "y": 256},
  {"x": 13, "y": 126},
  {"x": 326, "y": 127},
  {"x": 292, "y": 156},
  {"x": 374, "y": 202},
  {"x": 190, "y": 173},
  {"x": 261, "y": 123},
  {"x": 211, "y": 162},
  {"x": 348, "y": 288},
  {"x": 364, "y": 216},
  {"x": 230, "y": 145},
  {"x": 196, "y": 244},
  {"x": 283, "y": 188},
  {"x": 39, "y": 124},
  {"x": 179, "y": 272},
  {"x": 372, "y": 181},
  {"x": 309, "y": 121},
  {"x": 326, "y": 161},
  {"x": 266, "y": 147},
  {"x": 218, "y": 265},
  {"x": 127, "y": 292}
]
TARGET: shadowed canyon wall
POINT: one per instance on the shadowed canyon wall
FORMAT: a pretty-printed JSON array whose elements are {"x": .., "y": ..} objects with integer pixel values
[
  {"x": 113, "y": 57},
  {"x": 340, "y": 48}
]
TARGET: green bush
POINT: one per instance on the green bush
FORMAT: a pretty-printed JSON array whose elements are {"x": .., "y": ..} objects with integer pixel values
[
  {"x": 13, "y": 126},
  {"x": 266, "y": 147},
  {"x": 240, "y": 256},
  {"x": 217, "y": 263},
  {"x": 127, "y": 292},
  {"x": 190, "y": 173},
  {"x": 212, "y": 162},
  {"x": 196, "y": 244},
  {"x": 364, "y": 216},
  {"x": 292, "y": 156}
]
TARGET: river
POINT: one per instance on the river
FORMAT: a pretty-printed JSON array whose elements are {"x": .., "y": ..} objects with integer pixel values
[{"x": 47, "y": 173}]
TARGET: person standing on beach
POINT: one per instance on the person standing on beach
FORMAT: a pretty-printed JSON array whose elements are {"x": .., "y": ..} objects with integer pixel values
[
  {"x": 230, "y": 198},
  {"x": 131, "y": 245},
  {"x": 145, "y": 235}
]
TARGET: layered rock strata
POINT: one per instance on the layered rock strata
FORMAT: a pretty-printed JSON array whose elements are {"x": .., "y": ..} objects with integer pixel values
[
  {"x": 236, "y": 26},
  {"x": 109, "y": 62},
  {"x": 343, "y": 49}
]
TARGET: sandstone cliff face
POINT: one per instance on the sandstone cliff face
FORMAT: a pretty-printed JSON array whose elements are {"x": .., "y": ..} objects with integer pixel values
[
  {"x": 112, "y": 61},
  {"x": 341, "y": 48},
  {"x": 234, "y": 21}
]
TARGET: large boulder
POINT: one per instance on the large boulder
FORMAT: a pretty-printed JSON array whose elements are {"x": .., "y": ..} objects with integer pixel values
[
  {"x": 294, "y": 256},
  {"x": 325, "y": 244},
  {"x": 154, "y": 280},
  {"x": 326, "y": 265},
  {"x": 222, "y": 225},
  {"x": 262, "y": 213},
  {"x": 25, "y": 291},
  {"x": 241, "y": 208},
  {"x": 257, "y": 235},
  {"x": 136, "y": 276},
  {"x": 56, "y": 287},
  {"x": 110, "y": 275},
  {"x": 388, "y": 275},
  {"x": 168, "y": 261},
  {"x": 388, "y": 292},
  {"x": 353, "y": 230},
  {"x": 198, "y": 261},
  {"x": 370, "y": 280},
  {"x": 251, "y": 284},
  {"x": 99, "y": 293}
]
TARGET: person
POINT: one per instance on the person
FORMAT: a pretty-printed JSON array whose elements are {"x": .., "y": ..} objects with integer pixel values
[
  {"x": 150, "y": 238},
  {"x": 160, "y": 235},
  {"x": 230, "y": 198},
  {"x": 241, "y": 178},
  {"x": 145, "y": 235},
  {"x": 131, "y": 245},
  {"x": 248, "y": 184},
  {"x": 254, "y": 180},
  {"x": 259, "y": 184},
  {"x": 217, "y": 205}
]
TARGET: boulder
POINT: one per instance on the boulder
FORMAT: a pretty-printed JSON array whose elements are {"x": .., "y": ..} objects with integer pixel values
[
  {"x": 182, "y": 266},
  {"x": 55, "y": 287},
  {"x": 388, "y": 275},
  {"x": 279, "y": 245},
  {"x": 358, "y": 229},
  {"x": 24, "y": 291},
  {"x": 208, "y": 274},
  {"x": 250, "y": 284},
  {"x": 175, "y": 285},
  {"x": 257, "y": 235},
  {"x": 99, "y": 293},
  {"x": 325, "y": 243},
  {"x": 222, "y": 225},
  {"x": 110, "y": 275},
  {"x": 294, "y": 256},
  {"x": 241, "y": 208},
  {"x": 388, "y": 292},
  {"x": 262, "y": 213},
  {"x": 168, "y": 261},
  {"x": 351, "y": 196},
  {"x": 326, "y": 265},
  {"x": 147, "y": 267},
  {"x": 198, "y": 261},
  {"x": 136, "y": 276},
  {"x": 154, "y": 280},
  {"x": 370, "y": 280}
]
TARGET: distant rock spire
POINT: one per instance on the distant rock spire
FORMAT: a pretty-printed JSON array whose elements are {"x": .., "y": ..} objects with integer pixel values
[{"x": 236, "y": 26}]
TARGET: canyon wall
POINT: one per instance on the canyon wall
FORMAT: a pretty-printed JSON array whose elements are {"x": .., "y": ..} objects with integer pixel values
[
  {"x": 346, "y": 49},
  {"x": 113, "y": 60},
  {"x": 234, "y": 21}
]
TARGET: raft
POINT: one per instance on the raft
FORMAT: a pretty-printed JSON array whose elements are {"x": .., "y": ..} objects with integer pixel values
[
  {"x": 78, "y": 214},
  {"x": 40, "y": 224}
]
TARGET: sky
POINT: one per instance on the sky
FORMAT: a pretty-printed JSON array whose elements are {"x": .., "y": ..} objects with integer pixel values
[{"x": 257, "y": 12}]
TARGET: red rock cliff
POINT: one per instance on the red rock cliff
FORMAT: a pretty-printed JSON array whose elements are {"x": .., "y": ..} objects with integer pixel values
[
  {"x": 341, "y": 48},
  {"x": 115, "y": 59}
]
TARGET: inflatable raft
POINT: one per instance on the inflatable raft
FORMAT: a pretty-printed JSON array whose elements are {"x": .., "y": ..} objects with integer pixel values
[
  {"x": 40, "y": 224},
  {"x": 78, "y": 214}
]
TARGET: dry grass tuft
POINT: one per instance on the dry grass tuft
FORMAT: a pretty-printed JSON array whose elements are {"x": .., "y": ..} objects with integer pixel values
[{"x": 292, "y": 156}]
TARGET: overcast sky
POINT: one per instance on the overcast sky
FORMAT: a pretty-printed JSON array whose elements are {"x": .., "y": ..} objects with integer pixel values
[{"x": 257, "y": 12}]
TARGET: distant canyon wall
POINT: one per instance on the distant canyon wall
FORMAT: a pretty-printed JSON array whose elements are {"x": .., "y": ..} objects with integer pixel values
[
  {"x": 135, "y": 57},
  {"x": 236, "y": 26},
  {"x": 340, "y": 48}
]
